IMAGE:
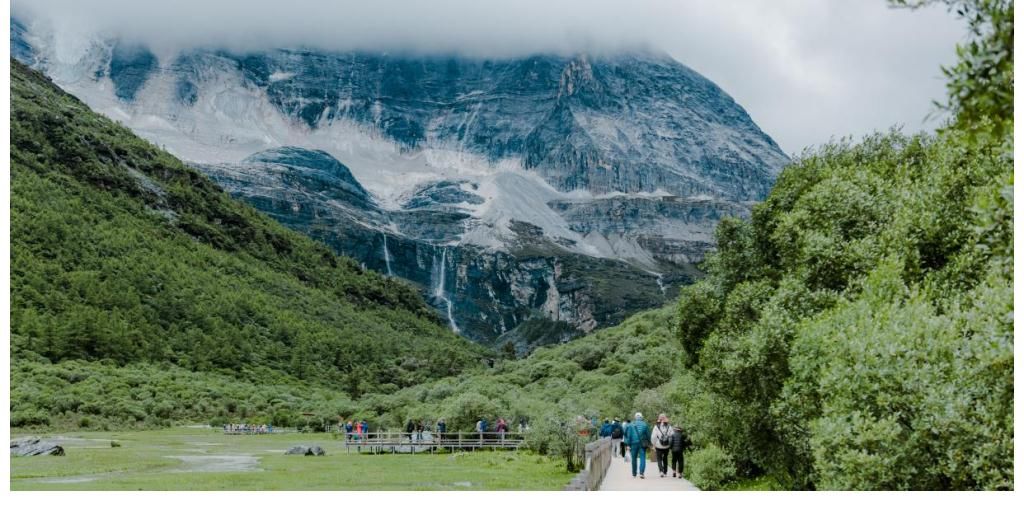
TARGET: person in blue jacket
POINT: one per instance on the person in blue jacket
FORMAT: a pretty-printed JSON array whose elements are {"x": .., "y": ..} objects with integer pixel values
[
  {"x": 606, "y": 429},
  {"x": 638, "y": 436}
]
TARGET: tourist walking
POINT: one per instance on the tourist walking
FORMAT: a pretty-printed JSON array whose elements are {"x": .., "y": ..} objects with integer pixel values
[
  {"x": 624, "y": 445},
  {"x": 638, "y": 436},
  {"x": 502, "y": 427},
  {"x": 661, "y": 439},
  {"x": 409, "y": 428},
  {"x": 419, "y": 431},
  {"x": 616, "y": 433},
  {"x": 481, "y": 428},
  {"x": 366, "y": 428},
  {"x": 680, "y": 441},
  {"x": 606, "y": 429},
  {"x": 442, "y": 428},
  {"x": 359, "y": 431},
  {"x": 348, "y": 431}
]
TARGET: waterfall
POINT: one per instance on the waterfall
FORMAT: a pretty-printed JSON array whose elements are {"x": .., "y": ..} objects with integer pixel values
[
  {"x": 660, "y": 281},
  {"x": 439, "y": 291},
  {"x": 387, "y": 255}
]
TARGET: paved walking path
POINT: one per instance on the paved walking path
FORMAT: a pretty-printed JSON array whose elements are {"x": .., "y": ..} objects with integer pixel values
[{"x": 620, "y": 478}]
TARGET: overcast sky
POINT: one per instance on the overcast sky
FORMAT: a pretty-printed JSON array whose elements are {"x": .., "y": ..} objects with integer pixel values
[{"x": 805, "y": 70}]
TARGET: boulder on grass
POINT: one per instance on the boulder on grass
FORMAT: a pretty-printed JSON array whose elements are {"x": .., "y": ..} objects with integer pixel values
[
  {"x": 306, "y": 450},
  {"x": 33, "y": 446}
]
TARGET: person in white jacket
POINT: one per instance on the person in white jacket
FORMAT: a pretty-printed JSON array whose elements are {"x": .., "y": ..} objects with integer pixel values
[{"x": 661, "y": 439}]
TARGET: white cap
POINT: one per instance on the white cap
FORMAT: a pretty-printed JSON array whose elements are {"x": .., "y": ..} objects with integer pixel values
[{"x": 639, "y": 415}]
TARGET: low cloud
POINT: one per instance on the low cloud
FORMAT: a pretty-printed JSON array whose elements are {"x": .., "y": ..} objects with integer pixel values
[{"x": 806, "y": 70}]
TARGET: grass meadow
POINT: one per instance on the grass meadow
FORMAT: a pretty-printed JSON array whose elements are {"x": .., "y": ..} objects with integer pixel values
[{"x": 206, "y": 459}]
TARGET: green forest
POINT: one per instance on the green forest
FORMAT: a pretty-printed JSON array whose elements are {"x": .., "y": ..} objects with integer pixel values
[{"x": 855, "y": 333}]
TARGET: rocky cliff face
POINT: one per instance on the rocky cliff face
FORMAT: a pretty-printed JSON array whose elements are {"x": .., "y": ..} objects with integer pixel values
[
  {"x": 486, "y": 294},
  {"x": 546, "y": 193}
]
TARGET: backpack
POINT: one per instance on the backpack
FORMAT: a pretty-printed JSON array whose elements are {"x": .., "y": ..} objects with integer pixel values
[
  {"x": 664, "y": 441},
  {"x": 617, "y": 431}
]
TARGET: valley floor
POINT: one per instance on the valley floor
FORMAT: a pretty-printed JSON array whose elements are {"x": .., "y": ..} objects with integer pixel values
[{"x": 206, "y": 459}]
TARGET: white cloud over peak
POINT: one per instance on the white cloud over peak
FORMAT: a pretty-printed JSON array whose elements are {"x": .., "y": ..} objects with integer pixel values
[{"x": 806, "y": 70}]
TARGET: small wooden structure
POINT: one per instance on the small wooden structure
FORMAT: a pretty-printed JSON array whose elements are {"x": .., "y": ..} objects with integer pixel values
[{"x": 391, "y": 442}]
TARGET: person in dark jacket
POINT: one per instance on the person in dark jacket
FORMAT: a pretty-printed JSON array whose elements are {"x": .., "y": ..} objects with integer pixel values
[
  {"x": 623, "y": 445},
  {"x": 615, "y": 432},
  {"x": 680, "y": 441},
  {"x": 409, "y": 428},
  {"x": 442, "y": 428},
  {"x": 606, "y": 429}
]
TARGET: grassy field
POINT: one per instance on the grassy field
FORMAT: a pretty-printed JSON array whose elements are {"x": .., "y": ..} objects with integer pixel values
[{"x": 205, "y": 459}]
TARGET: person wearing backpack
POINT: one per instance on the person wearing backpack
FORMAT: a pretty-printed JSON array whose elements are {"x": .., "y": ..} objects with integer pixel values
[
  {"x": 661, "y": 438},
  {"x": 617, "y": 444},
  {"x": 638, "y": 436}
]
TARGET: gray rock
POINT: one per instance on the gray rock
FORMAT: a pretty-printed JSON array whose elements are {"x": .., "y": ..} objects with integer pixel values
[
  {"x": 306, "y": 450},
  {"x": 34, "y": 446}
]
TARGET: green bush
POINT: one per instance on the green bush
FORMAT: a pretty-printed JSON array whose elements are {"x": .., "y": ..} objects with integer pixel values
[
  {"x": 24, "y": 419},
  {"x": 710, "y": 468}
]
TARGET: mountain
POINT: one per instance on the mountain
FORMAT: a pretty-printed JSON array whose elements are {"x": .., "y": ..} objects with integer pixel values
[
  {"x": 530, "y": 199},
  {"x": 122, "y": 254}
]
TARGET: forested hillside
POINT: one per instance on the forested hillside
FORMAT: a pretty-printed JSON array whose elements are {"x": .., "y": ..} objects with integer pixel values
[{"x": 121, "y": 254}]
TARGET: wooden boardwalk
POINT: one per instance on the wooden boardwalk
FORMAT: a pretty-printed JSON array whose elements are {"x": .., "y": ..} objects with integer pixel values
[
  {"x": 619, "y": 477},
  {"x": 399, "y": 442},
  {"x": 605, "y": 471}
]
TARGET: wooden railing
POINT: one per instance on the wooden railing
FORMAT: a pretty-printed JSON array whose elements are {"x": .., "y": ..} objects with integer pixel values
[
  {"x": 395, "y": 441},
  {"x": 256, "y": 431},
  {"x": 597, "y": 459}
]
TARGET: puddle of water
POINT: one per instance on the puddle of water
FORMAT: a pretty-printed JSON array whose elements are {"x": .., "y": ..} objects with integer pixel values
[
  {"x": 84, "y": 478},
  {"x": 465, "y": 484},
  {"x": 223, "y": 463},
  {"x": 77, "y": 441},
  {"x": 75, "y": 479}
]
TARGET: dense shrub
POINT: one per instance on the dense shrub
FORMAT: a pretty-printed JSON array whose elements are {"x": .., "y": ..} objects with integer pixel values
[{"x": 710, "y": 467}]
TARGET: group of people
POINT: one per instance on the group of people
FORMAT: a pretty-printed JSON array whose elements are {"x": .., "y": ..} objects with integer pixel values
[
  {"x": 668, "y": 442},
  {"x": 356, "y": 430},
  {"x": 248, "y": 429},
  {"x": 501, "y": 426},
  {"x": 415, "y": 429}
]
